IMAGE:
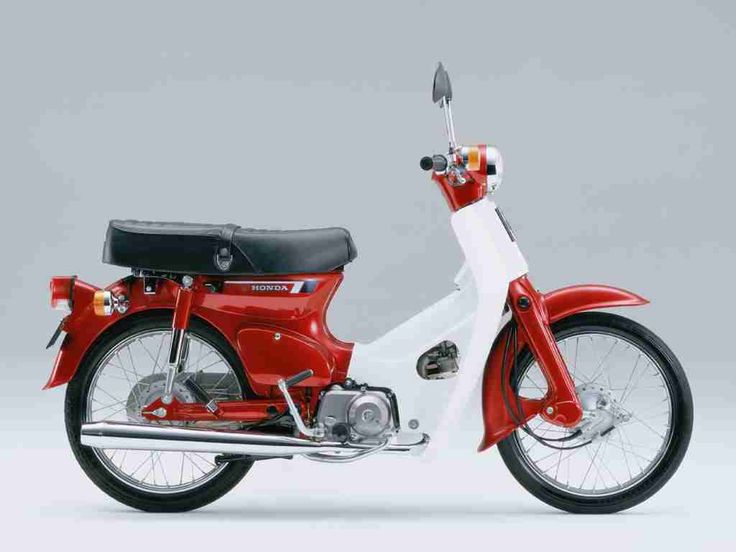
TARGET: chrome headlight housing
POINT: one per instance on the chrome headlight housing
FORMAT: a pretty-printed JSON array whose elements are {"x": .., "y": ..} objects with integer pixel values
[
  {"x": 494, "y": 168},
  {"x": 484, "y": 161}
]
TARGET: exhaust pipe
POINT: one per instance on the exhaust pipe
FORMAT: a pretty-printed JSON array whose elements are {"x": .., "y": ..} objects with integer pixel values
[{"x": 119, "y": 435}]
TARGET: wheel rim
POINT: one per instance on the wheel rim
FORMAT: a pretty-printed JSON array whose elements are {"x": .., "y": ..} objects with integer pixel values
[
  {"x": 130, "y": 376},
  {"x": 634, "y": 383}
]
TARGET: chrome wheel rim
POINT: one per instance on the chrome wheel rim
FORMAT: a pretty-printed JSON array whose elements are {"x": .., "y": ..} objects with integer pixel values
[
  {"x": 618, "y": 460},
  {"x": 127, "y": 378}
]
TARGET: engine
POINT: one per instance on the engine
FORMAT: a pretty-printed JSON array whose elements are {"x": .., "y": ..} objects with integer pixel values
[{"x": 358, "y": 413}]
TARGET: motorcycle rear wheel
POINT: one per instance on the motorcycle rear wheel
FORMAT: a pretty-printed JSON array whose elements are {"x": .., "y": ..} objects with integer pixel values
[
  {"x": 649, "y": 466},
  {"x": 136, "y": 491}
]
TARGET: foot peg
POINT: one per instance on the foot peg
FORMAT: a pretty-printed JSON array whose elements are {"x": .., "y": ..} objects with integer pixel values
[
  {"x": 283, "y": 386},
  {"x": 201, "y": 395},
  {"x": 298, "y": 378}
]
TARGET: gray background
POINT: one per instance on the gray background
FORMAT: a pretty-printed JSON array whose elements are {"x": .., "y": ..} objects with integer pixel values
[{"x": 616, "y": 123}]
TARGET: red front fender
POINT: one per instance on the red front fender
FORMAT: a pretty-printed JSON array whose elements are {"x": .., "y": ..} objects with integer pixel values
[{"x": 559, "y": 304}]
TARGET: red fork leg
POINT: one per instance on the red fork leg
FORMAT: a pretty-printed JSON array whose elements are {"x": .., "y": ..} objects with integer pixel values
[{"x": 561, "y": 405}]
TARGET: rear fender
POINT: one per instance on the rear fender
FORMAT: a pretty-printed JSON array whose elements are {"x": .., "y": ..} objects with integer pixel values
[
  {"x": 83, "y": 327},
  {"x": 559, "y": 304},
  {"x": 76, "y": 339}
]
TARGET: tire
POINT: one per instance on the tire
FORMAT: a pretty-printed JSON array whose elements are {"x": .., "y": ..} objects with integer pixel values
[
  {"x": 76, "y": 408},
  {"x": 680, "y": 420}
]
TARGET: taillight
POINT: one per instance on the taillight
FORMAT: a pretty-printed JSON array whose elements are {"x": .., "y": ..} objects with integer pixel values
[{"x": 62, "y": 291}]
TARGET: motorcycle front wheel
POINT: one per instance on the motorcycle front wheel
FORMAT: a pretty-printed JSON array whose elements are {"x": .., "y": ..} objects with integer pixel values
[
  {"x": 637, "y": 421},
  {"x": 126, "y": 370}
]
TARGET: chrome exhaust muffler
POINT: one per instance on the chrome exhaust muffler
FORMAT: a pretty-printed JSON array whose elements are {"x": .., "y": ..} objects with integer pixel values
[{"x": 119, "y": 435}]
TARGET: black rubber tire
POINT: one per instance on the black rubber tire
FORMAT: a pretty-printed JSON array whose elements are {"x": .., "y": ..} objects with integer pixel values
[
  {"x": 682, "y": 419},
  {"x": 75, "y": 407}
]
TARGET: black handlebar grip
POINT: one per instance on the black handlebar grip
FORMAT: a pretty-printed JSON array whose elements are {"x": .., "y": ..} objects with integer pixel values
[
  {"x": 437, "y": 163},
  {"x": 298, "y": 378}
]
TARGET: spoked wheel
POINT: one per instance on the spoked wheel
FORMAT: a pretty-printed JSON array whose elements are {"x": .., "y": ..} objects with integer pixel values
[
  {"x": 636, "y": 424},
  {"x": 125, "y": 371}
]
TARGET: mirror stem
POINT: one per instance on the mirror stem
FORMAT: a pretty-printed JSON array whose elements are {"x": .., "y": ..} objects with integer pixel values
[{"x": 449, "y": 124}]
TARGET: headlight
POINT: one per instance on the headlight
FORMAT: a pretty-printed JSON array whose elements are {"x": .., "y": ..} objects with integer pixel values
[
  {"x": 485, "y": 161},
  {"x": 494, "y": 168}
]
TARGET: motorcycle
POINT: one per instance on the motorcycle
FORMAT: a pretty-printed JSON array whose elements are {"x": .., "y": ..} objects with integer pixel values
[{"x": 214, "y": 354}]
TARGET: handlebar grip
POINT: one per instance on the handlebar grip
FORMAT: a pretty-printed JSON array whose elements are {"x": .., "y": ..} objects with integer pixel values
[
  {"x": 426, "y": 163},
  {"x": 298, "y": 378},
  {"x": 437, "y": 163}
]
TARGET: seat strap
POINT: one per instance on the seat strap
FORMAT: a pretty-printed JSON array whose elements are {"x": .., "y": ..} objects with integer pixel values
[{"x": 224, "y": 254}]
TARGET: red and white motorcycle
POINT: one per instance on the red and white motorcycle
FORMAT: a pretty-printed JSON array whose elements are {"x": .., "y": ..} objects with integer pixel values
[{"x": 215, "y": 354}]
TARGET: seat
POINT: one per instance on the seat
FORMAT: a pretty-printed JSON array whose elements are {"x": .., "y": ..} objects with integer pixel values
[{"x": 180, "y": 247}]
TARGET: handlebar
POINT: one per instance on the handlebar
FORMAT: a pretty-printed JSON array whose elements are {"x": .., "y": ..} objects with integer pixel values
[{"x": 437, "y": 163}]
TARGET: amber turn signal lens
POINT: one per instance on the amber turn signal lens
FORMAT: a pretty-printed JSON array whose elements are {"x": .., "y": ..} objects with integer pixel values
[{"x": 103, "y": 303}]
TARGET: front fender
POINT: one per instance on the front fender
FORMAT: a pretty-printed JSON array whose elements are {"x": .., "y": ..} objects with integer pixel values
[
  {"x": 567, "y": 301},
  {"x": 559, "y": 304}
]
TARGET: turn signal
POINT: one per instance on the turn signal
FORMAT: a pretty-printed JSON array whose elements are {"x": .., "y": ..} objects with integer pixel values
[{"x": 105, "y": 302}]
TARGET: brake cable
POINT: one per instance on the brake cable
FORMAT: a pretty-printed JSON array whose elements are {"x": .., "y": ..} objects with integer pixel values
[{"x": 512, "y": 335}]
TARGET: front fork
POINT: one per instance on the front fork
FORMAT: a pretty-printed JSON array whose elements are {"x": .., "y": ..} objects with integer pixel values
[{"x": 561, "y": 405}]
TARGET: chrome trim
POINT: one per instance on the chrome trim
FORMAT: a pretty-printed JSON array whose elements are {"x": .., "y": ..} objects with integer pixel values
[
  {"x": 294, "y": 411},
  {"x": 176, "y": 355},
  {"x": 120, "y": 435},
  {"x": 449, "y": 124},
  {"x": 344, "y": 459}
]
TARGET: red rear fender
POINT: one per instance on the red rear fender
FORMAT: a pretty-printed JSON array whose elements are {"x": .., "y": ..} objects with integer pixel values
[{"x": 82, "y": 326}]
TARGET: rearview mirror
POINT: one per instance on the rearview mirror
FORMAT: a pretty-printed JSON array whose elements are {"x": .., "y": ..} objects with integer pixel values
[{"x": 441, "y": 88}]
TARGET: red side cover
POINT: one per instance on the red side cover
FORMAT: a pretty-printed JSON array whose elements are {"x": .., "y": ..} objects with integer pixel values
[{"x": 276, "y": 324}]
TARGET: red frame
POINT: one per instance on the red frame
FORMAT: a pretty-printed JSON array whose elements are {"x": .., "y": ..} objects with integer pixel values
[{"x": 251, "y": 316}]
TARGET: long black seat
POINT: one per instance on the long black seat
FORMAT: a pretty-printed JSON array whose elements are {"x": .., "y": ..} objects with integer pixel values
[{"x": 193, "y": 248}]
